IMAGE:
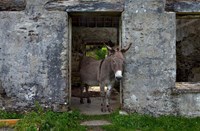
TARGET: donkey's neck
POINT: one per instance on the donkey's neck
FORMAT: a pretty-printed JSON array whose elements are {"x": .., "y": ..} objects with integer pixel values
[{"x": 106, "y": 73}]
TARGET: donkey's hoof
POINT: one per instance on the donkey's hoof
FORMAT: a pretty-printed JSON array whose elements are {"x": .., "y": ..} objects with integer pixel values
[
  {"x": 103, "y": 109},
  {"x": 110, "y": 109},
  {"x": 88, "y": 101},
  {"x": 81, "y": 101}
]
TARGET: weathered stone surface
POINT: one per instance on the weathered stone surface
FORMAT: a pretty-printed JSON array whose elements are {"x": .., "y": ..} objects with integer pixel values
[
  {"x": 84, "y": 34},
  {"x": 80, "y": 6},
  {"x": 33, "y": 52},
  {"x": 183, "y": 6},
  {"x": 95, "y": 123},
  {"x": 188, "y": 104},
  {"x": 144, "y": 6},
  {"x": 12, "y": 5},
  {"x": 150, "y": 67}
]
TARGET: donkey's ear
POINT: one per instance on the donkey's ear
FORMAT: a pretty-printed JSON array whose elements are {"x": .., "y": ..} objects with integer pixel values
[
  {"x": 126, "y": 48},
  {"x": 110, "y": 49}
]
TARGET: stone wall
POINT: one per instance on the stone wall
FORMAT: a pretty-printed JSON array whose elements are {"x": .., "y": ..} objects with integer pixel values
[
  {"x": 34, "y": 58},
  {"x": 188, "y": 104},
  {"x": 12, "y": 5},
  {"x": 150, "y": 67},
  {"x": 180, "y": 6},
  {"x": 81, "y": 34}
]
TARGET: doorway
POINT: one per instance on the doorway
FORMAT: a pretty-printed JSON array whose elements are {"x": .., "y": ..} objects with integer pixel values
[{"x": 89, "y": 34}]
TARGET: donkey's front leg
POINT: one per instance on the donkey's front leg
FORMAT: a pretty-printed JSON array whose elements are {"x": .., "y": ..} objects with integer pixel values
[
  {"x": 103, "y": 105},
  {"x": 108, "y": 92}
]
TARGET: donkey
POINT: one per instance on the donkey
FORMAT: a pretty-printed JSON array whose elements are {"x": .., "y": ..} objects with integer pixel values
[{"x": 103, "y": 73}]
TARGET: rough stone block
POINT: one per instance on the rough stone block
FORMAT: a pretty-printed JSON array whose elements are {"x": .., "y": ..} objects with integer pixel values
[
  {"x": 32, "y": 52},
  {"x": 145, "y": 6},
  {"x": 150, "y": 68}
]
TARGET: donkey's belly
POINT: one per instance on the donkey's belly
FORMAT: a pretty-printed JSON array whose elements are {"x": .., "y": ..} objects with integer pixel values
[
  {"x": 89, "y": 74},
  {"x": 91, "y": 83},
  {"x": 89, "y": 78}
]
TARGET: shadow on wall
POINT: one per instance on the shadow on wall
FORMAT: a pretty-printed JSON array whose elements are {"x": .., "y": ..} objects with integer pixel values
[{"x": 2, "y": 90}]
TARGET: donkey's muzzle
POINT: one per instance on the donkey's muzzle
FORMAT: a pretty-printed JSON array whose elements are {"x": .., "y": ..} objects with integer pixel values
[
  {"x": 118, "y": 75},
  {"x": 118, "y": 78}
]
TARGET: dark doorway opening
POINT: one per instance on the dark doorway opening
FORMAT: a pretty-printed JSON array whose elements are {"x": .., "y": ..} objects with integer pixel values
[{"x": 90, "y": 32}]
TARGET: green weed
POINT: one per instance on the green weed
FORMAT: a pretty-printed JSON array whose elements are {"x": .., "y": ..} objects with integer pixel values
[
  {"x": 135, "y": 122},
  {"x": 9, "y": 115},
  {"x": 49, "y": 120}
]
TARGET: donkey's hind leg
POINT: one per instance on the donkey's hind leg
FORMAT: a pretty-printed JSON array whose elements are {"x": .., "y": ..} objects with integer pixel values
[
  {"x": 81, "y": 94},
  {"x": 87, "y": 93},
  {"x": 108, "y": 93}
]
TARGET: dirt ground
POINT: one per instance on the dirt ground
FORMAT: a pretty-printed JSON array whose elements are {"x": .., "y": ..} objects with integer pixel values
[{"x": 94, "y": 108}]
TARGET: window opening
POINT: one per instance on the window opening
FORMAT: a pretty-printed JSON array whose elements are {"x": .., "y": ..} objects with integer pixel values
[{"x": 187, "y": 51}]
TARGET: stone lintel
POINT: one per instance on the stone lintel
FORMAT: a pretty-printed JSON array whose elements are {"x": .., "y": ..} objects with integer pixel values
[
  {"x": 12, "y": 5},
  {"x": 183, "y": 6},
  {"x": 72, "y": 6}
]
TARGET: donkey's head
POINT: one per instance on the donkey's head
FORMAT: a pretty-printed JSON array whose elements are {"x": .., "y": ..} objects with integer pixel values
[{"x": 117, "y": 60}]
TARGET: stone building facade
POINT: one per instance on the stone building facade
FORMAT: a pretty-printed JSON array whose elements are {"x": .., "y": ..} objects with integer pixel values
[{"x": 35, "y": 54}]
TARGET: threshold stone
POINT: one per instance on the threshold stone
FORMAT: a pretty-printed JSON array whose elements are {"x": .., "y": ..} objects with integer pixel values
[{"x": 95, "y": 123}]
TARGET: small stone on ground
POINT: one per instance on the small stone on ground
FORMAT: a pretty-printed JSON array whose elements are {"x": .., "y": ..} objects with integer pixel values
[{"x": 95, "y": 123}]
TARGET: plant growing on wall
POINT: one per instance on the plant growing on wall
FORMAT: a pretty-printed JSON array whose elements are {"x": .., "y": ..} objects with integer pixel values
[
  {"x": 98, "y": 54},
  {"x": 101, "y": 54}
]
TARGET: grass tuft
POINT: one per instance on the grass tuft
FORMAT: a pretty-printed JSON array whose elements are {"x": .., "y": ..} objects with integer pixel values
[
  {"x": 148, "y": 123},
  {"x": 9, "y": 115},
  {"x": 49, "y": 120}
]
